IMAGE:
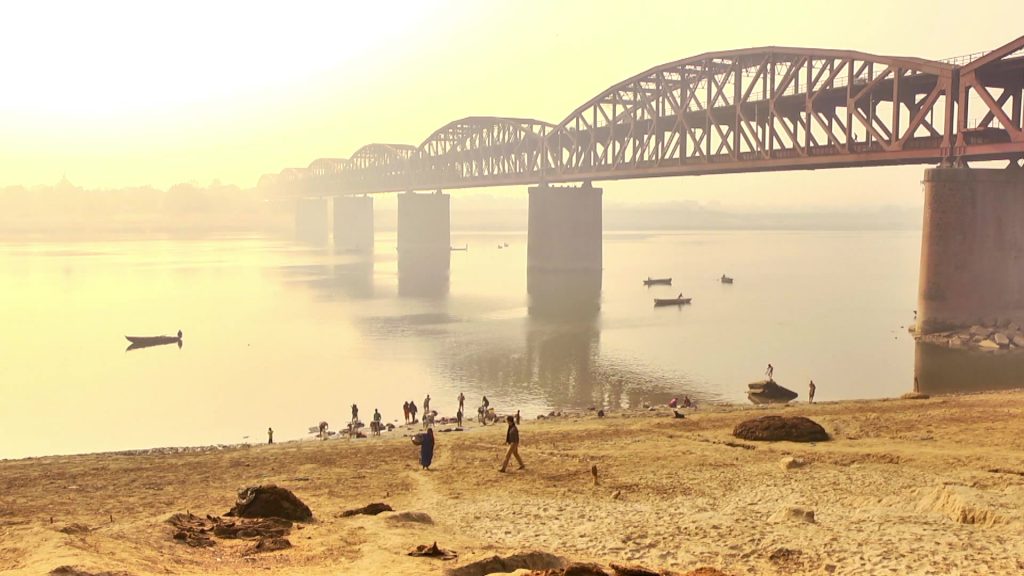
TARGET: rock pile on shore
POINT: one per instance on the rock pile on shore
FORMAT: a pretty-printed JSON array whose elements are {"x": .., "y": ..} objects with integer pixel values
[{"x": 1002, "y": 336}]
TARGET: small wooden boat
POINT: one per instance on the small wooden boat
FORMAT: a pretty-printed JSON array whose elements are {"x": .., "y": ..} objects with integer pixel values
[
  {"x": 144, "y": 341},
  {"x": 457, "y": 249},
  {"x": 657, "y": 281},
  {"x": 726, "y": 279},
  {"x": 769, "y": 392},
  {"x": 671, "y": 301}
]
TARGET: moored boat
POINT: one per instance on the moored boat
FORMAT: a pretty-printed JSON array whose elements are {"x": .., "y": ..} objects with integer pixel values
[
  {"x": 659, "y": 281},
  {"x": 671, "y": 301},
  {"x": 769, "y": 392}
]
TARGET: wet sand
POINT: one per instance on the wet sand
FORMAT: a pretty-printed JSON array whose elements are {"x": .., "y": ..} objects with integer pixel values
[{"x": 905, "y": 487}]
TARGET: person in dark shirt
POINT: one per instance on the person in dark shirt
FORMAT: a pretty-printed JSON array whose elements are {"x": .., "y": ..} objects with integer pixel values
[
  {"x": 427, "y": 449},
  {"x": 270, "y": 435},
  {"x": 512, "y": 439}
]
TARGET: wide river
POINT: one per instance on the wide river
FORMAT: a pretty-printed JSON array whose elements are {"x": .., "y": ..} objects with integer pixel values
[{"x": 283, "y": 335}]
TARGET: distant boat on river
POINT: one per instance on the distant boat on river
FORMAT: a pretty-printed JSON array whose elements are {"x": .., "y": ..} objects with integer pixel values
[
  {"x": 726, "y": 279},
  {"x": 457, "y": 249},
  {"x": 672, "y": 301},
  {"x": 147, "y": 341},
  {"x": 657, "y": 281}
]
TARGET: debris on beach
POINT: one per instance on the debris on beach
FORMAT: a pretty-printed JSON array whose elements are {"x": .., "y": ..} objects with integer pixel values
[
  {"x": 270, "y": 544},
  {"x": 433, "y": 551},
  {"x": 76, "y": 528},
  {"x": 630, "y": 570},
  {"x": 370, "y": 510},
  {"x": 774, "y": 428},
  {"x": 196, "y": 531},
  {"x": 76, "y": 571},
  {"x": 270, "y": 501},
  {"x": 534, "y": 560}
]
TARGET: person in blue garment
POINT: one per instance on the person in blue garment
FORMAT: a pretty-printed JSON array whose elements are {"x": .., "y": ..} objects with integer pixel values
[{"x": 427, "y": 449}]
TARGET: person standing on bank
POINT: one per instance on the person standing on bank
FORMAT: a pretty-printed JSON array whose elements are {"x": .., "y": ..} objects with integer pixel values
[
  {"x": 462, "y": 402},
  {"x": 769, "y": 372},
  {"x": 810, "y": 392},
  {"x": 426, "y": 404},
  {"x": 512, "y": 439},
  {"x": 427, "y": 449},
  {"x": 270, "y": 435}
]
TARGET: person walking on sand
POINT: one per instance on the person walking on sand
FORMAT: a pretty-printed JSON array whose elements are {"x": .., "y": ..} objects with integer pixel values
[
  {"x": 810, "y": 392},
  {"x": 427, "y": 449},
  {"x": 426, "y": 404},
  {"x": 769, "y": 372},
  {"x": 412, "y": 412},
  {"x": 270, "y": 435},
  {"x": 512, "y": 439},
  {"x": 462, "y": 402}
]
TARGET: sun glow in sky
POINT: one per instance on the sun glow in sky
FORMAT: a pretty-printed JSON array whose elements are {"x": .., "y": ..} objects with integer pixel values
[{"x": 121, "y": 93}]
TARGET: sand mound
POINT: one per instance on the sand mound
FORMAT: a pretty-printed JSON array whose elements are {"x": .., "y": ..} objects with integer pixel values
[
  {"x": 959, "y": 504},
  {"x": 773, "y": 428},
  {"x": 270, "y": 501},
  {"x": 525, "y": 560},
  {"x": 268, "y": 545},
  {"x": 792, "y": 514}
]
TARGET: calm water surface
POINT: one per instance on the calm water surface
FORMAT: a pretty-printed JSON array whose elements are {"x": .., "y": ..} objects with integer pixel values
[{"x": 285, "y": 335}]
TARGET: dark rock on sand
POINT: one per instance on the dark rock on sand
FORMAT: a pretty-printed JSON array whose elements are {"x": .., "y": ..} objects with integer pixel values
[
  {"x": 76, "y": 528},
  {"x": 522, "y": 561},
  {"x": 915, "y": 396},
  {"x": 773, "y": 428},
  {"x": 369, "y": 509},
  {"x": 270, "y": 501}
]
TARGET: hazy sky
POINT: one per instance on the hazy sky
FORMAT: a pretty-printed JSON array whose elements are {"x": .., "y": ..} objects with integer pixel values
[{"x": 127, "y": 93}]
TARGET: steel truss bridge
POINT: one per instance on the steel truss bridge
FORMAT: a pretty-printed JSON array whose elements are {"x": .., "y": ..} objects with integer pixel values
[{"x": 750, "y": 110}]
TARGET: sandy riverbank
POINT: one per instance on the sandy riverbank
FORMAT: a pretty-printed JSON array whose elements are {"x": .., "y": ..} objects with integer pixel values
[{"x": 894, "y": 492}]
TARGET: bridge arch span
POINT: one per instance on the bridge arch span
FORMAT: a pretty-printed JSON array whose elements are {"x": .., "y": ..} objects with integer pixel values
[
  {"x": 759, "y": 109},
  {"x": 483, "y": 149}
]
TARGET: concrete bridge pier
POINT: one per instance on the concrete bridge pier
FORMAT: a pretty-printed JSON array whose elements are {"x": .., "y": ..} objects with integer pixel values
[
  {"x": 972, "y": 248},
  {"x": 311, "y": 220},
  {"x": 564, "y": 251},
  {"x": 424, "y": 243},
  {"x": 353, "y": 224}
]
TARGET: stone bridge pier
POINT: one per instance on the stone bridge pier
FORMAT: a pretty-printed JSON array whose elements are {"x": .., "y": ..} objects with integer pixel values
[
  {"x": 972, "y": 248},
  {"x": 564, "y": 251},
  {"x": 353, "y": 224}
]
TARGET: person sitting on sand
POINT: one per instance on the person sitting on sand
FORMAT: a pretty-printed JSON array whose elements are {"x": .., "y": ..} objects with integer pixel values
[
  {"x": 427, "y": 449},
  {"x": 512, "y": 439}
]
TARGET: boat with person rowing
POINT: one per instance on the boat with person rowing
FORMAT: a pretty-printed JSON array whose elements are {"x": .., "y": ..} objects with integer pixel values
[
  {"x": 671, "y": 301},
  {"x": 726, "y": 279}
]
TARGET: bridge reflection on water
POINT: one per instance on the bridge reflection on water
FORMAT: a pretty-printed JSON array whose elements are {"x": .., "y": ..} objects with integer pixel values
[{"x": 941, "y": 370}]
